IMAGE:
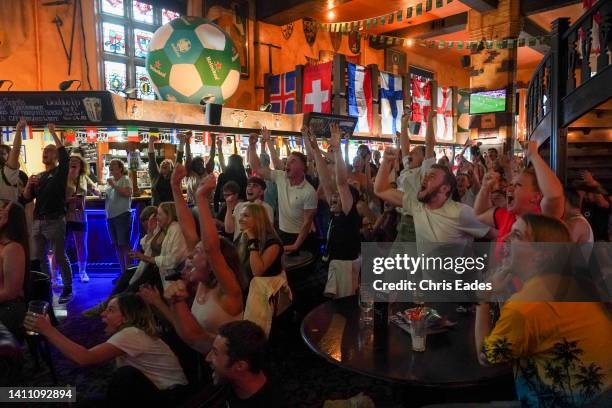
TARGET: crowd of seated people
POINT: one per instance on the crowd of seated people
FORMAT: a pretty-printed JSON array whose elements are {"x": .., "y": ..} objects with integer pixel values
[{"x": 200, "y": 255}]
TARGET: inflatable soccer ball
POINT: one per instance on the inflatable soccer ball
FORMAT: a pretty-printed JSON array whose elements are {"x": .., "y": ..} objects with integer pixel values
[{"x": 191, "y": 58}]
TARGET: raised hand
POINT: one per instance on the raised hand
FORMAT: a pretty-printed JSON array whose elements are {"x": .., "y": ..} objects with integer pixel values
[
  {"x": 179, "y": 173},
  {"x": 491, "y": 180},
  {"x": 253, "y": 139},
  {"x": 531, "y": 149},
  {"x": 149, "y": 294},
  {"x": 336, "y": 135},
  {"x": 390, "y": 155},
  {"x": 265, "y": 134},
  {"x": 23, "y": 123},
  {"x": 176, "y": 291},
  {"x": 206, "y": 186},
  {"x": 406, "y": 122}
]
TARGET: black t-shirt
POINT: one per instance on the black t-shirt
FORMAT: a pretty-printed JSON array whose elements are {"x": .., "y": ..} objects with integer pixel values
[
  {"x": 161, "y": 190},
  {"x": 267, "y": 396},
  {"x": 50, "y": 193},
  {"x": 598, "y": 217},
  {"x": 275, "y": 268},
  {"x": 343, "y": 235}
]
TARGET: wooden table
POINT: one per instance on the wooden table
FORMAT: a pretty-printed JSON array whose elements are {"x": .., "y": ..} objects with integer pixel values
[{"x": 332, "y": 330}]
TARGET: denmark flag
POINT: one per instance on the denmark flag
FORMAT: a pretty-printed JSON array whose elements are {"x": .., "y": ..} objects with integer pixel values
[{"x": 317, "y": 88}]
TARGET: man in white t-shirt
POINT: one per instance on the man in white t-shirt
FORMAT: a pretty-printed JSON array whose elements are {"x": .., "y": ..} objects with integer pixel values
[
  {"x": 9, "y": 165},
  {"x": 255, "y": 189},
  {"x": 297, "y": 199},
  {"x": 437, "y": 217}
]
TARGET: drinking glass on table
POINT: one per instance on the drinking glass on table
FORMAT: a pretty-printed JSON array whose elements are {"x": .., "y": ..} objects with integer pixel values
[
  {"x": 418, "y": 332},
  {"x": 366, "y": 304},
  {"x": 37, "y": 307}
]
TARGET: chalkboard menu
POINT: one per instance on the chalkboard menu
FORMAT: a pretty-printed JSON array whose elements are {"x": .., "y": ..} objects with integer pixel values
[
  {"x": 90, "y": 151},
  {"x": 62, "y": 108}
]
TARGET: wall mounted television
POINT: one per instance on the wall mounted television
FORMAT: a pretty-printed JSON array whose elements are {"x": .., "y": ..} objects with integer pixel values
[{"x": 488, "y": 101}]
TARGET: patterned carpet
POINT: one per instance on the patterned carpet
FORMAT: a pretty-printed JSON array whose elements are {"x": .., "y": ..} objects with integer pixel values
[{"x": 304, "y": 379}]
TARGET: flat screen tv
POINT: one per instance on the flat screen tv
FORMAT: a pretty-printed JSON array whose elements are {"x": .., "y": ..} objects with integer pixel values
[{"x": 488, "y": 101}]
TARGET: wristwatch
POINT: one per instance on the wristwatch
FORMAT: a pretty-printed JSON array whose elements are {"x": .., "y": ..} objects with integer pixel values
[{"x": 253, "y": 245}]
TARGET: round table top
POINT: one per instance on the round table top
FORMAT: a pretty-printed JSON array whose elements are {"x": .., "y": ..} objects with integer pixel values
[
  {"x": 332, "y": 330},
  {"x": 297, "y": 259}
]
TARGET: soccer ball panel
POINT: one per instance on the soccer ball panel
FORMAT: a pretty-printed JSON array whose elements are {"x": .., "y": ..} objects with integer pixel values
[
  {"x": 183, "y": 47},
  {"x": 158, "y": 67},
  {"x": 230, "y": 84},
  {"x": 185, "y": 79},
  {"x": 211, "y": 37},
  {"x": 160, "y": 37}
]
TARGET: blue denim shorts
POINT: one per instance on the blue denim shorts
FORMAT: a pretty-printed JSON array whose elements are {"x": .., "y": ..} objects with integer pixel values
[{"x": 120, "y": 228}]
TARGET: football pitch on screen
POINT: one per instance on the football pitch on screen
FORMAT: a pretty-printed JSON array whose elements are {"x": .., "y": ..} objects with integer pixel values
[{"x": 482, "y": 104}]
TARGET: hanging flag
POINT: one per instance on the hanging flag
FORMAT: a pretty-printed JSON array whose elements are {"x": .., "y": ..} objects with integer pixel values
[
  {"x": 69, "y": 135},
  {"x": 421, "y": 101},
  {"x": 444, "y": 113},
  {"x": 359, "y": 96},
  {"x": 419, "y": 9},
  {"x": 206, "y": 139},
  {"x": 81, "y": 136},
  {"x": 102, "y": 137},
  {"x": 91, "y": 134},
  {"x": 144, "y": 137},
  {"x": 391, "y": 102},
  {"x": 47, "y": 135},
  {"x": 596, "y": 44},
  {"x": 282, "y": 92},
  {"x": 113, "y": 135},
  {"x": 317, "y": 88},
  {"x": 428, "y": 5},
  {"x": 27, "y": 133},
  {"x": 132, "y": 134},
  {"x": 408, "y": 12},
  {"x": 7, "y": 134}
]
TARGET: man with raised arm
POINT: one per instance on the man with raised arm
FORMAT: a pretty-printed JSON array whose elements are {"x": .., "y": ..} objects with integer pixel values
[
  {"x": 416, "y": 162},
  {"x": 49, "y": 227},
  {"x": 297, "y": 199},
  {"x": 532, "y": 190},
  {"x": 437, "y": 217},
  {"x": 9, "y": 165}
]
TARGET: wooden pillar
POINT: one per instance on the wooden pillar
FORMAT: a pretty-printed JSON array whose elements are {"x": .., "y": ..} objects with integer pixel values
[
  {"x": 375, "y": 80},
  {"x": 299, "y": 76},
  {"x": 339, "y": 104},
  {"x": 558, "y": 78}
]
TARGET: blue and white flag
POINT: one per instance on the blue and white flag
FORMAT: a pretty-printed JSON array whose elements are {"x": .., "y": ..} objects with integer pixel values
[
  {"x": 7, "y": 134},
  {"x": 359, "y": 96},
  {"x": 391, "y": 103}
]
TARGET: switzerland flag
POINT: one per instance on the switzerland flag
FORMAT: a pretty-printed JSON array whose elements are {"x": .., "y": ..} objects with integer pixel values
[{"x": 316, "y": 93}]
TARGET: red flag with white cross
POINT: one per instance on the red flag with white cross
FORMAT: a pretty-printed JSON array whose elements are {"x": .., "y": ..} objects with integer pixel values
[{"x": 316, "y": 93}]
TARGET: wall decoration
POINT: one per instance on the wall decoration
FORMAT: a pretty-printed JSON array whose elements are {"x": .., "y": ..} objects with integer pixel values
[
  {"x": 233, "y": 17},
  {"x": 354, "y": 41},
  {"x": 184, "y": 68},
  {"x": 444, "y": 114},
  {"x": 310, "y": 30},
  {"x": 287, "y": 31},
  {"x": 395, "y": 61},
  {"x": 463, "y": 110},
  {"x": 336, "y": 40}
]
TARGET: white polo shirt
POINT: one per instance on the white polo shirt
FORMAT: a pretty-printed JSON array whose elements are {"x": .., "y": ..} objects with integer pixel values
[{"x": 292, "y": 201}]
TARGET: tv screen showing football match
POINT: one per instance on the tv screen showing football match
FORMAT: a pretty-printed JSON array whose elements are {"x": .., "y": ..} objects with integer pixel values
[{"x": 488, "y": 101}]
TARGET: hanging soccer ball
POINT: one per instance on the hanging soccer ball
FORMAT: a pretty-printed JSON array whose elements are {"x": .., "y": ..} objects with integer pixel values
[{"x": 191, "y": 58}]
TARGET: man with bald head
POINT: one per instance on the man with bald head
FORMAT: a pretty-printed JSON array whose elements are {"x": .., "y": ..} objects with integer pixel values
[{"x": 49, "y": 227}]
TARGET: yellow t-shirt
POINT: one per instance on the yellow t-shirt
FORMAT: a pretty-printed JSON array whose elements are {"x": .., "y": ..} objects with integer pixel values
[{"x": 561, "y": 351}]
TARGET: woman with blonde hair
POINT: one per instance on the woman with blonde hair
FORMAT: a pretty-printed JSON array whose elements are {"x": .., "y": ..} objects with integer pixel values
[
  {"x": 173, "y": 249},
  {"x": 559, "y": 347},
  {"x": 259, "y": 247},
  {"x": 77, "y": 187},
  {"x": 148, "y": 372}
]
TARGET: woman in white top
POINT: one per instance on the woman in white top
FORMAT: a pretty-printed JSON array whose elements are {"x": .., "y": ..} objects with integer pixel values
[
  {"x": 146, "y": 366},
  {"x": 173, "y": 250},
  {"x": 77, "y": 187},
  {"x": 118, "y": 205},
  {"x": 212, "y": 264}
]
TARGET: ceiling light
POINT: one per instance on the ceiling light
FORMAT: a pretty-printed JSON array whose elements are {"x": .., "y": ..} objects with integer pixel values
[{"x": 331, "y": 14}]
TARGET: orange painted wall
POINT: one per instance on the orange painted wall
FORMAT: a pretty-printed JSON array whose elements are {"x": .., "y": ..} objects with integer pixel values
[{"x": 40, "y": 63}]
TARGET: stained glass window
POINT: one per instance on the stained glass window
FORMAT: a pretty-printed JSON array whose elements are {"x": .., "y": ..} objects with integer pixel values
[
  {"x": 143, "y": 12},
  {"x": 143, "y": 83},
  {"x": 115, "y": 74},
  {"x": 114, "y": 7},
  {"x": 142, "y": 39},
  {"x": 169, "y": 15},
  {"x": 126, "y": 28},
  {"x": 114, "y": 38}
]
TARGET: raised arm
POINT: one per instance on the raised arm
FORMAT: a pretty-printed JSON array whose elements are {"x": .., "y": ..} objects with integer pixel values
[
  {"x": 552, "y": 191},
  {"x": 382, "y": 187},
  {"x": 256, "y": 166},
  {"x": 313, "y": 151},
  {"x": 344, "y": 190},
  {"x": 404, "y": 135},
  {"x": 274, "y": 156},
  {"x": 210, "y": 164},
  {"x": 483, "y": 208},
  {"x": 180, "y": 150},
  {"x": 13, "y": 158},
  {"x": 183, "y": 213},
  {"x": 220, "y": 153},
  {"x": 232, "y": 293}
]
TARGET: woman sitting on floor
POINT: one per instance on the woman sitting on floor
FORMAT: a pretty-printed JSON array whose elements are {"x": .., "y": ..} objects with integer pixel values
[
  {"x": 148, "y": 373},
  {"x": 212, "y": 264}
]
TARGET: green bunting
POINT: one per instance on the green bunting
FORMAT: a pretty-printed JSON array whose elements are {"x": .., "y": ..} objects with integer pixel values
[
  {"x": 399, "y": 16},
  {"x": 419, "y": 9},
  {"x": 439, "y": 3},
  {"x": 408, "y": 13},
  {"x": 428, "y": 5}
]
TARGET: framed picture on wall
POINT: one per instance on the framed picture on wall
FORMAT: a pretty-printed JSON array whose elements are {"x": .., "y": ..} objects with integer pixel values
[
  {"x": 233, "y": 17},
  {"x": 395, "y": 61}
]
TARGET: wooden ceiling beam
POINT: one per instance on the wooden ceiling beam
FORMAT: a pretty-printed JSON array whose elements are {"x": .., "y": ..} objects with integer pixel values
[
  {"x": 286, "y": 11},
  {"x": 529, "y": 7},
  {"x": 481, "y": 6}
]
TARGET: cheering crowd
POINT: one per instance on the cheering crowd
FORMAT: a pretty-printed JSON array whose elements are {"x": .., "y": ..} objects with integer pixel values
[{"x": 210, "y": 261}]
